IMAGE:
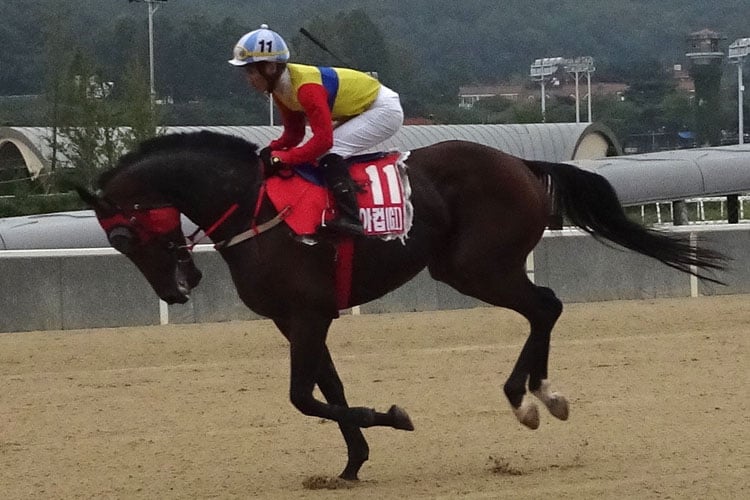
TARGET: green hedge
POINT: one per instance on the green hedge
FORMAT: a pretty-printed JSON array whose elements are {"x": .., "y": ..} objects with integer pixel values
[{"x": 11, "y": 206}]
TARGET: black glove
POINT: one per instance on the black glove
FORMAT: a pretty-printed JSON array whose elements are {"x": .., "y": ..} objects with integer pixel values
[
  {"x": 272, "y": 165},
  {"x": 265, "y": 157}
]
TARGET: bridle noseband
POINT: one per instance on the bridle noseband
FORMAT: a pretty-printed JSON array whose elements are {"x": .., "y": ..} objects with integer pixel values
[{"x": 146, "y": 223}]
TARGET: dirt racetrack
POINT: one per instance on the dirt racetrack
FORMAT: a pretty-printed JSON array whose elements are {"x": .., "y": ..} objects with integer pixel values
[{"x": 658, "y": 392}]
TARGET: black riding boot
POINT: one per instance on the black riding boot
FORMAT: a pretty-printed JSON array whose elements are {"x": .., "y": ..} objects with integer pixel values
[{"x": 344, "y": 191}]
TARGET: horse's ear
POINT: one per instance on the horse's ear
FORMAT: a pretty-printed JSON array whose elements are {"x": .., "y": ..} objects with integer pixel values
[{"x": 91, "y": 199}]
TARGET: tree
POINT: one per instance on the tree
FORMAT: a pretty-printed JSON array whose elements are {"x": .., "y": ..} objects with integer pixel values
[
  {"x": 87, "y": 123},
  {"x": 528, "y": 112},
  {"x": 621, "y": 116},
  {"x": 92, "y": 129},
  {"x": 363, "y": 43},
  {"x": 677, "y": 112},
  {"x": 134, "y": 107},
  {"x": 55, "y": 31},
  {"x": 648, "y": 86},
  {"x": 353, "y": 40}
]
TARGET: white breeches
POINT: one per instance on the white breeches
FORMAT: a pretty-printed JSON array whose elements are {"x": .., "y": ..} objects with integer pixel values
[{"x": 378, "y": 123}]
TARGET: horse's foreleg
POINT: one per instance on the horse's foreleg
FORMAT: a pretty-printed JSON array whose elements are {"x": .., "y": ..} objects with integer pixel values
[
  {"x": 358, "y": 451},
  {"x": 330, "y": 385},
  {"x": 310, "y": 364},
  {"x": 307, "y": 347}
]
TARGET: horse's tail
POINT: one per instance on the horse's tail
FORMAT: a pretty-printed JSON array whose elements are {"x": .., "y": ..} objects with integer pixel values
[{"x": 590, "y": 202}]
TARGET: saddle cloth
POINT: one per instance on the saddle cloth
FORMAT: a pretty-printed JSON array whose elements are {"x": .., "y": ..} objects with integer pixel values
[{"x": 384, "y": 196}]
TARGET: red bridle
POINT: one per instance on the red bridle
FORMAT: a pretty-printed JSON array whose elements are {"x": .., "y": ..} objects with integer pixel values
[
  {"x": 146, "y": 223},
  {"x": 150, "y": 223}
]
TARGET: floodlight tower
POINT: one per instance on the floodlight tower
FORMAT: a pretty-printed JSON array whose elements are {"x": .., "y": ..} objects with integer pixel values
[
  {"x": 540, "y": 71},
  {"x": 577, "y": 66},
  {"x": 152, "y": 8},
  {"x": 738, "y": 51}
]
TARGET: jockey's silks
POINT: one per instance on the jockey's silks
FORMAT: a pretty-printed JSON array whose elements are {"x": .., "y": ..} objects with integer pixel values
[{"x": 352, "y": 92}]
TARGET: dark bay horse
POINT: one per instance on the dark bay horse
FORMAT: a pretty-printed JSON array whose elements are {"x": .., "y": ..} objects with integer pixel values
[{"x": 478, "y": 212}]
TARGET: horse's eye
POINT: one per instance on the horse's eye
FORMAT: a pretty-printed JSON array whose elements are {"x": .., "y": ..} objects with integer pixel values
[{"x": 122, "y": 239}]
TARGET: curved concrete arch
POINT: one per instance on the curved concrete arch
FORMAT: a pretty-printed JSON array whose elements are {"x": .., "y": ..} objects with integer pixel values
[
  {"x": 30, "y": 144},
  {"x": 536, "y": 141},
  {"x": 595, "y": 139}
]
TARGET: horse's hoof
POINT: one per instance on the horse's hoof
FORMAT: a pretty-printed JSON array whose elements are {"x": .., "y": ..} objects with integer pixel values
[
  {"x": 528, "y": 414},
  {"x": 554, "y": 401},
  {"x": 348, "y": 476},
  {"x": 351, "y": 471},
  {"x": 558, "y": 406},
  {"x": 400, "y": 419}
]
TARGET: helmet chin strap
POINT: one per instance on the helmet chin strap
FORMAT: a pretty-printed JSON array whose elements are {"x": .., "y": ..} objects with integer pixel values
[{"x": 272, "y": 79}]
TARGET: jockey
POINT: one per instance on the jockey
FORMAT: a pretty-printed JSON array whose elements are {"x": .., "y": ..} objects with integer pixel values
[{"x": 365, "y": 113}]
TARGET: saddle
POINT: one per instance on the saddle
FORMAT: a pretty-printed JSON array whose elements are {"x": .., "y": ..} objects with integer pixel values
[{"x": 383, "y": 195}]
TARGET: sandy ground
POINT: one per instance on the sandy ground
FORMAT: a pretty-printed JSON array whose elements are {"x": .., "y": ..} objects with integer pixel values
[{"x": 658, "y": 391}]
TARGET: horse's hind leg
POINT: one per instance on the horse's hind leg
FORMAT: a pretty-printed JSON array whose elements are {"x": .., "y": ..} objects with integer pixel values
[
  {"x": 511, "y": 289},
  {"x": 541, "y": 308}
]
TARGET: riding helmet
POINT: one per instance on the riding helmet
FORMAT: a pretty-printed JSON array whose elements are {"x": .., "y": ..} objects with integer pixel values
[{"x": 260, "y": 45}]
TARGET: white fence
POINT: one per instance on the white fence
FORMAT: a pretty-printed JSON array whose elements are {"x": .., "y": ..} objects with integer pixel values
[
  {"x": 91, "y": 288},
  {"x": 664, "y": 211}
]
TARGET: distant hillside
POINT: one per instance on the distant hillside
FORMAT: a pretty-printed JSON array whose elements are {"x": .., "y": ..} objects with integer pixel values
[
  {"x": 489, "y": 38},
  {"x": 483, "y": 40}
]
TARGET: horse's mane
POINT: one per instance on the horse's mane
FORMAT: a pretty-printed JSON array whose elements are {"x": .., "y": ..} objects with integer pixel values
[{"x": 227, "y": 146}]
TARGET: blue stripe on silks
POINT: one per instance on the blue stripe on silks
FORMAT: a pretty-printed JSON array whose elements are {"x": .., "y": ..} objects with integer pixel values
[
  {"x": 310, "y": 173},
  {"x": 330, "y": 81}
]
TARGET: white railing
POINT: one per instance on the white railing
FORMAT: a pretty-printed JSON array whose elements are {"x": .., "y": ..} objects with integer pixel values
[{"x": 697, "y": 210}]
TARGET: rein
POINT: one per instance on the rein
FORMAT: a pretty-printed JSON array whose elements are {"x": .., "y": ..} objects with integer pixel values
[
  {"x": 212, "y": 228},
  {"x": 255, "y": 229}
]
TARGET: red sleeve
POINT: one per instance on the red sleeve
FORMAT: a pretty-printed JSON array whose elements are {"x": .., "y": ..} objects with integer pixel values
[
  {"x": 294, "y": 128},
  {"x": 314, "y": 99}
]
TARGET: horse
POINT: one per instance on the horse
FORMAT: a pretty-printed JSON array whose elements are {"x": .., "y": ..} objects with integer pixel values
[{"x": 477, "y": 213}]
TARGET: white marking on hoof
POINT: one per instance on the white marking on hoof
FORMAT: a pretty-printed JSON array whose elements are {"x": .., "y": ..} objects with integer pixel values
[
  {"x": 554, "y": 401},
  {"x": 527, "y": 414}
]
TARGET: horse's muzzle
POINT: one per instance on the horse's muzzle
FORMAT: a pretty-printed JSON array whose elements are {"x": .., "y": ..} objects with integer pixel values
[
  {"x": 187, "y": 276},
  {"x": 175, "y": 298}
]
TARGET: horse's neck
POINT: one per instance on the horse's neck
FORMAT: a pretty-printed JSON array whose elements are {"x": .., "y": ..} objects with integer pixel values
[{"x": 206, "y": 195}]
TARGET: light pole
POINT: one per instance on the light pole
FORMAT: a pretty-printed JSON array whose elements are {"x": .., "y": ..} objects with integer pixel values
[
  {"x": 738, "y": 50},
  {"x": 152, "y": 8},
  {"x": 577, "y": 66},
  {"x": 540, "y": 71}
]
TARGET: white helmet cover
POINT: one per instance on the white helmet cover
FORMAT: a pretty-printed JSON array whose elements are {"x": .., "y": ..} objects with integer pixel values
[{"x": 260, "y": 45}]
